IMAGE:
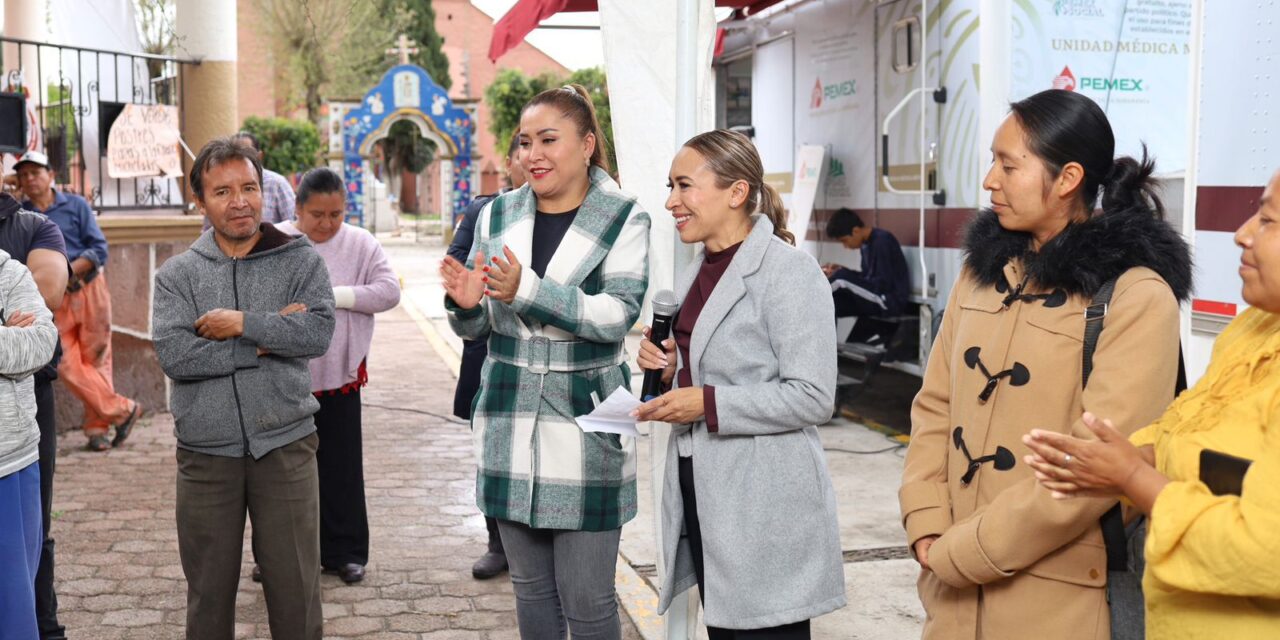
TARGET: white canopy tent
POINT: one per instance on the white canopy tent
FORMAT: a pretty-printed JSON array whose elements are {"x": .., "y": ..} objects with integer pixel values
[{"x": 660, "y": 96}]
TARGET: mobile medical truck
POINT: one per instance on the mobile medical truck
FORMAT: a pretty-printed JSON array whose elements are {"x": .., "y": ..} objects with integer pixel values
[{"x": 888, "y": 108}]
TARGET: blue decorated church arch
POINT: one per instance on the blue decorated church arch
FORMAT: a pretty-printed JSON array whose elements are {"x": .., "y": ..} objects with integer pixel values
[{"x": 407, "y": 92}]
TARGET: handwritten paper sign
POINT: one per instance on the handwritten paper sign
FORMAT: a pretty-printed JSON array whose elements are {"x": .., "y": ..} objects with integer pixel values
[{"x": 144, "y": 142}]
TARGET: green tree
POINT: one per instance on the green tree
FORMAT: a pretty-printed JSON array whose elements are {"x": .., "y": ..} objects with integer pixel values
[
  {"x": 511, "y": 90},
  {"x": 288, "y": 146},
  {"x": 406, "y": 149},
  {"x": 417, "y": 20},
  {"x": 323, "y": 42},
  {"x": 155, "y": 21}
]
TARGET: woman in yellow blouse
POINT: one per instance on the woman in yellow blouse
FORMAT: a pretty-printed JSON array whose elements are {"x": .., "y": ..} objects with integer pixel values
[{"x": 1213, "y": 561}]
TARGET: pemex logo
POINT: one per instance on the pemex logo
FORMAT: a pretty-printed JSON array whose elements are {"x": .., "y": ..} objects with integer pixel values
[
  {"x": 830, "y": 94},
  {"x": 1065, "y": 80}
]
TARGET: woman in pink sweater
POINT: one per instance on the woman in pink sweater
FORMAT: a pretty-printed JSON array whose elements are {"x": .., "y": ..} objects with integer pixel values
[{"x": 363, "y": 284}]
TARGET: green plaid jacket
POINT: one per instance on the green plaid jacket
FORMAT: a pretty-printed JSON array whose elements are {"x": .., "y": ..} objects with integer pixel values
[{"x": 550, "y": 350}]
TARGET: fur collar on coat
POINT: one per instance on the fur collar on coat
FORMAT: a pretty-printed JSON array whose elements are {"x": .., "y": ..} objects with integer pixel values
[{"x": 1085, "y": 255}]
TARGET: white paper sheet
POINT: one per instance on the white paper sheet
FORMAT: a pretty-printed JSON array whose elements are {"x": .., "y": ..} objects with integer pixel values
[{"x": 613, "y": 415}]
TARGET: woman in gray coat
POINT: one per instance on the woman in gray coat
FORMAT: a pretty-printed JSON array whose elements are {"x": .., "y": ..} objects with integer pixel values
[{"x": 753, "y": 365}]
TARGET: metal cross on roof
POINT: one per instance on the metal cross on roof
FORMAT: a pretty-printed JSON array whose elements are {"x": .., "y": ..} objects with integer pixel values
[{"x": 404, "y": 48}]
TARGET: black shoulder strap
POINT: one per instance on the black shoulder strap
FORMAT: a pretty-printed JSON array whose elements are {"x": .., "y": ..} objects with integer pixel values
[
  {"x": 1094, "y": 314},
  {"x": 1112, "y": 522},
  {"x": 1181, "y": 384}
]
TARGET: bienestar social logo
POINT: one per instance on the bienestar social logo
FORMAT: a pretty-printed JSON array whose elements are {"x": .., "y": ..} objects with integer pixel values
[{"x": 1077, "y": 8}]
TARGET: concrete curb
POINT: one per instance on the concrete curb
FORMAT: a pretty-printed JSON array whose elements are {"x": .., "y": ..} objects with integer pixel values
[
  {"x": 450, "y": 357},
  {"x": 639, "y": 601}
]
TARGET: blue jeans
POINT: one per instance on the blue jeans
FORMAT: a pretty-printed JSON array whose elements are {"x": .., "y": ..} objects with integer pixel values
[
  {"x": 563, "y": 576},
  {"x": 21, "y": 537}
]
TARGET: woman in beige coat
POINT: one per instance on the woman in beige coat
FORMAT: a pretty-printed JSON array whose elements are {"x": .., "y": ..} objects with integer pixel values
[{"x": 1000, "y": 558}]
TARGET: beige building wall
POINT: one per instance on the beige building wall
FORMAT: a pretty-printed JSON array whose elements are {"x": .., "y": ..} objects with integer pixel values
[{"x": 256, "y": 74}]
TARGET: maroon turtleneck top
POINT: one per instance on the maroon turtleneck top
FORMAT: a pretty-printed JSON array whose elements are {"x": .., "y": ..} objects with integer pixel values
[{"x": 713, "y": 267}]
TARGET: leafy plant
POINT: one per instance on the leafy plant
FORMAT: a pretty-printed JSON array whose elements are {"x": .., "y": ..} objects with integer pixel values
[{"x": 288, "y": 146}]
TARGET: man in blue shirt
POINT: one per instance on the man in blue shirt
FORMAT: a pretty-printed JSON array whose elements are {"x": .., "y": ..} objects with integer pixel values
[
  {"x": 883, "y": 285},
  {"x": 84, "y": 319}
]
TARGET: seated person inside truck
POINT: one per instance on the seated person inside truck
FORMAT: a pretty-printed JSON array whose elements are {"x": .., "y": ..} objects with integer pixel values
[{"x": 881, "y": 288}]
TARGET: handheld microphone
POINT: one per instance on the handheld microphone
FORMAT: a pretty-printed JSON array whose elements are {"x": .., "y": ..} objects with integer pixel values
[{"x": 664, "y": 307}]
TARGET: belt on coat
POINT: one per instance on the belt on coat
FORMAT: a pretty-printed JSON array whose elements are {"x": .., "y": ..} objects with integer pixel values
[{"x": 540, "y": 354}]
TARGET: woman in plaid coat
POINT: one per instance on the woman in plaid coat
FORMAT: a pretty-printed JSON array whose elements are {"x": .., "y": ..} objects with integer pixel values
[{"x": 555, "y": 280}]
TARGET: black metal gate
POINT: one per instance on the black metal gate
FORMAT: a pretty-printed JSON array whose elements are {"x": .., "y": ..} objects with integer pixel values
[{"x": 74, "y": 94}]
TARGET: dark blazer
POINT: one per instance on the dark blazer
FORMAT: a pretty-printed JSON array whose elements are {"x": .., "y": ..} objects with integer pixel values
[{"x": 473, "y": 351}]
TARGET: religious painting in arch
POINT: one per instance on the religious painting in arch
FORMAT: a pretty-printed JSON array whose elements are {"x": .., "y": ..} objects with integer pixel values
[{"x": 407, "y": 93}]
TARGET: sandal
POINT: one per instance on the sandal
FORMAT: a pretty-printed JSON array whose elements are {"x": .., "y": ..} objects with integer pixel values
[
  {"x": 123, "y": 429},
  {"x": 98, "y": 443}
]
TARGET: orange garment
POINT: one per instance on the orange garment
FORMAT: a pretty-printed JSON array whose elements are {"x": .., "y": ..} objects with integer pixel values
[{"x": 84, "y": 324}]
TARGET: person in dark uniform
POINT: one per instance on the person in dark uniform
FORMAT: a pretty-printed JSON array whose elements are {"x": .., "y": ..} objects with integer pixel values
[
  {"x": 36, "y": 241},
  {"x": 494, "y": 560},
  {"x": 883, "y": 285}
]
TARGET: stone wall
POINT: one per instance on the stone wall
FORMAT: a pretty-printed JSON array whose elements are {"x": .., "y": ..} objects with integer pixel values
[{"x": 139, "y": 244}]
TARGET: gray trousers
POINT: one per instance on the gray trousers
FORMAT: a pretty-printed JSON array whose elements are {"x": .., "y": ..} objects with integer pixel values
[
  {"x": 561, "y": 576},
  {"x": 281, "y": 495}
]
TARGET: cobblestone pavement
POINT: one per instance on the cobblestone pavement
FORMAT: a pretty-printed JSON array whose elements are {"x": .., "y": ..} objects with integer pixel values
[{"x": 118, "y": 574}]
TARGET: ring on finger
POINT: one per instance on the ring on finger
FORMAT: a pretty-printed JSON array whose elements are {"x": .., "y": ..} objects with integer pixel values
[{"x": 1066, "y": 459}]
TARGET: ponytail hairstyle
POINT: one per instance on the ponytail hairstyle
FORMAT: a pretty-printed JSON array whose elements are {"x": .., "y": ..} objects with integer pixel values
[
  {"x": 574, "y": 102},
  {"x": 1064, "y": 127},
  {"x": 731, "y": 157},
  {"x": 322, "y": 180}
]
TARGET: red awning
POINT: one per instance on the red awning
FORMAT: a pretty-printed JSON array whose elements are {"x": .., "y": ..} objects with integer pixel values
[{"x": 511, "y": 29}]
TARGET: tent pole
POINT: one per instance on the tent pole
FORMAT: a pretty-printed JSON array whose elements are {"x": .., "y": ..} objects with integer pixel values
[
  {"x": 687, "y": 14},
  {"x": 683, "y": 613}
]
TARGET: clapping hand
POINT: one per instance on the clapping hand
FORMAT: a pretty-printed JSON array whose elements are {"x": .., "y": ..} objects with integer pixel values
[
  {"x": 1070, "y": 466},
  {"x": 503, "y": 277},
  {"x": 464, "y": 286}
]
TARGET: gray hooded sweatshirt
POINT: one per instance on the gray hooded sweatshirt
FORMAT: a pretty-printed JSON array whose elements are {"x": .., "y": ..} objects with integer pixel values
[
  {"x": 23, "y": 351},
  {"x": 226, "y": 399}
]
